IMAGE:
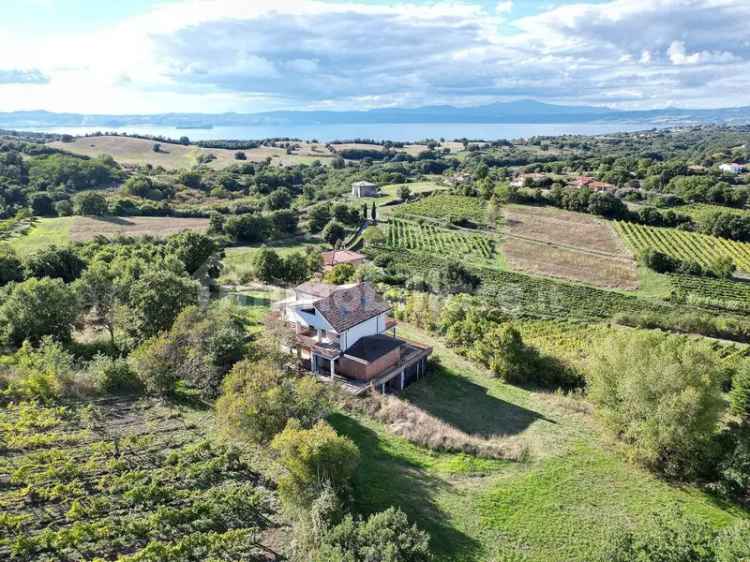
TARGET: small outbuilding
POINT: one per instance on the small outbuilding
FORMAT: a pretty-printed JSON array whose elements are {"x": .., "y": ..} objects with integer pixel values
[
  {"x": 365, "y": 189},
  {"x": 336, "y": 257}
]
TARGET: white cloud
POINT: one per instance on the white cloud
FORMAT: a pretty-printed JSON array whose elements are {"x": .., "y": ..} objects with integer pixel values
[
  {"x": 504, "y": 7},
  {"x": 678, "y": 55},
  {"x": 231, "y": 55}
]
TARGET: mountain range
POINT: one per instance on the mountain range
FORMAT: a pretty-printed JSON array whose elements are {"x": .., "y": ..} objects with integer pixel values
[{"x": 521, "y": 111}]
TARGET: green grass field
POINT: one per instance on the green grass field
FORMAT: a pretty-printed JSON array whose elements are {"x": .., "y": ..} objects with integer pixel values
[
  {"x": 238, "y": 261},
  {"x": 44, "y": 233},
  {"x": 390, "y": 192},
  {"x": 557, "y": 506}
]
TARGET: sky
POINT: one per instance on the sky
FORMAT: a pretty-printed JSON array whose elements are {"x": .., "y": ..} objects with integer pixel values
[{"x": 212, "y": 56}]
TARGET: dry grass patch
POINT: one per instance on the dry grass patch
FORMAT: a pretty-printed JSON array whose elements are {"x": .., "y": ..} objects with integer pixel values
[
  {"x": 540, "y": 258},
  {"x": 87, "y": 228},
  {"x": 565, "y": 228},
  {"x": 135, "y": 151},
  {"x": 567, "y": 245},
  {"x": 420, "y": 428}
]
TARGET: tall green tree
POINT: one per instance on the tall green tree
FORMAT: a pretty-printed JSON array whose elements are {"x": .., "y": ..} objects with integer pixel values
[
  {"x": 156, "y": 299},
  {"x": 36, "y": 308}
]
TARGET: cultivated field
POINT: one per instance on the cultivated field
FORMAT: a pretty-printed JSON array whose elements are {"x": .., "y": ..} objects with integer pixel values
[
  {"x": 690, "y": 246},
  {"x": 125, "y": 480},
  {"x": 445, "y": 207},
  {"x": 558, "y": 243},
  {"x": 429, "y": 238},
  {"x": 133, "y": 151}
]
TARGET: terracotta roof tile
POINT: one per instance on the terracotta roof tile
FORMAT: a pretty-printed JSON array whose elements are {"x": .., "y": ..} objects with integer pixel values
[{"x": 347, "y": 307}]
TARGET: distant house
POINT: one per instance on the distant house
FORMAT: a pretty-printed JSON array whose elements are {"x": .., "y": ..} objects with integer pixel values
[
  {"x": 336, "y": 257},
  {"x": 343, "y": 333},
  {"x": 732, "y": 168},
  {"x": 593, "y": 184},
  {"x": 530, "y": 179},
  {"x": 365, "y": 189},
  {"x": 583, "y": 181}
]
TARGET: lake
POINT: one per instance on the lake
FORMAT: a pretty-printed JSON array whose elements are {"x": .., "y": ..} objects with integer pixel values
[{"x": 382, "y": 131}]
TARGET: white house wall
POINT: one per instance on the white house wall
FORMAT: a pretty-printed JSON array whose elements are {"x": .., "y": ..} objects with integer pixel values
[
  {"x": 316, "y": 320},
  {"x": 370, "y": 327}
]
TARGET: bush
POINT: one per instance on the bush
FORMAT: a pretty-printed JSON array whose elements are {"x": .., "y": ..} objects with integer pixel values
[
  {"x": 258, "y": 398},
  {"x": 668, "y": 537},
  {"x": 340, "y": 274},
  {"x": 113, "y": 375},
  {"x": 45, "y": 373},
  {"x": 660, "y": 395},
  {"x": 90, "y": 203},
  {"x": 382, "y": 537},
  {"x": 152, "y": 363},
  {"x": 314, "y": 459}
]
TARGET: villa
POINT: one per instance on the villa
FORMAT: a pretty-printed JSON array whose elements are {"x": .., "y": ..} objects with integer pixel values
[
  {"x": 365, "y": 189},
  {"x": 343, "y": 333},
  {"x": 732, "y": 168}
]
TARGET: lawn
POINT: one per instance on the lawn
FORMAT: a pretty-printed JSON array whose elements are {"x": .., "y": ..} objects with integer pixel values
[
  {"x": 62, "y": 230},
  {"x": 238, "y": 260},
  {"x": 556, "y": 506},
  {"x": 44, "y": 233},
  {"x": 390, "y": 192}
]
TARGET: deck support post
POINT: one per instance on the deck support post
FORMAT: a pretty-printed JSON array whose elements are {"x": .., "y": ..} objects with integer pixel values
[
  {"x": 402, "y": 379},
  {"x": 382, "y": 388},
  {"x": 333, "y": 372}
]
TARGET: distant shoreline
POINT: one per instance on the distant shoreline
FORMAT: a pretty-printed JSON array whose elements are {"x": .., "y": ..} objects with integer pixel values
[{"x": 401, "y": 132}]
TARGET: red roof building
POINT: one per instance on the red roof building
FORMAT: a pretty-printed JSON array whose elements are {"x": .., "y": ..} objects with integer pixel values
[{"x": 336, "y": 257}]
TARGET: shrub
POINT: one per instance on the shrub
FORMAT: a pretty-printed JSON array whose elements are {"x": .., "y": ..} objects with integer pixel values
[
  {"x": 45, "y": 373},
  {"x": 339, "y": 274},
  {"x": 733, "y": 543},
  {"x": 314, "y": 459},
  {"x": 113, "y": 375},
  {"x": 90, "y": 203},
  {"x": 668, "y": 537},
  {"x": 258, "y": 399},
  {"x": 384, "y": 537},
  {"x": 152, "y": 363},
  {"x": 660, "y": 395}
]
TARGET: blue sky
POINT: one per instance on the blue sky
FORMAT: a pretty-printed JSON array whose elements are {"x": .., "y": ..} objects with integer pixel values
[{"x": 141, "y": 56}]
